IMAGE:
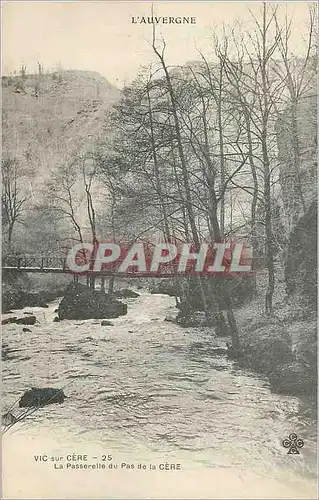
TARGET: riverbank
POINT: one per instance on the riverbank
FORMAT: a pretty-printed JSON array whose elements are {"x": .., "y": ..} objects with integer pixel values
[
  {"x": 282, "y": 346},
  {"x": 36, "y": 290},
  {"x": 21, "y": 290}
]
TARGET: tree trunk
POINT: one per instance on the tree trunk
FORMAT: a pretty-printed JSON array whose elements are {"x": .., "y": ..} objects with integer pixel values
[
  {"x": 92, "y": 282},
  {"x": 10, "y": 231},
  {"x": 102, "y": 284},
  {"x": 221, "y": 150},
  {"x": 222, "y": 294},
  {"x": 266, "y": 168},
  {"x": 111, "y": 285},
  {"x": 296, "y": 159}
]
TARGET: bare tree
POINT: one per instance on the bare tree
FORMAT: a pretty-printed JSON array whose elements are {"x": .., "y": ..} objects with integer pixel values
[
  {"x": 299, "y": 75},
  {"x": 13, "y": 198},
  {"x": 222, "y": 292},
  {"x": 256, "y": 90},
  {"x": 63, "y": 198}
]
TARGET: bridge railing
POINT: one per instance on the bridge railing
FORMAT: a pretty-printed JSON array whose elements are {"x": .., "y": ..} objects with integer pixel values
[{"x": 37, "y": 262}]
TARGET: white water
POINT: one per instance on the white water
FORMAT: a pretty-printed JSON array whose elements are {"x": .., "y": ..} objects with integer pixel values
[{"x": 146, "y": 390}]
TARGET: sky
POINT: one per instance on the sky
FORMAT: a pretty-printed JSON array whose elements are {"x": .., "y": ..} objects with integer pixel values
[{"x": 99, "y": 35}]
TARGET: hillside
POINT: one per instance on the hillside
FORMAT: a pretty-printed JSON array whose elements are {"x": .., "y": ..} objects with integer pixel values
[{"x": 46, "y": 116}]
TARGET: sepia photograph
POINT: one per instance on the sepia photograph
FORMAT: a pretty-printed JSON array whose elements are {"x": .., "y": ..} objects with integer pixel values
[{"x": 159, "y": 249}]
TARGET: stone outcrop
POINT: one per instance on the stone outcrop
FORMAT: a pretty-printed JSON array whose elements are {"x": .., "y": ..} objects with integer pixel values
[
  {"x": 301, "y": 261},
  {"x": 81, "y": 302},
  {"x": 266, "y": 344},
  {"x": 14, "y": 298},
  {"x": 26, "y": 320},
  {"x": 292, "y": 378},
  {"x": 297, "y": 135},
  {"x": 41, "y": 397},
  {"x": 105, "y": 322},
  {"x": 267, "y": 347},
  {"x": 297, "y": 154}
]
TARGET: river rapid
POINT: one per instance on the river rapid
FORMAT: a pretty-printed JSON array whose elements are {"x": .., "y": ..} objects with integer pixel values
[{"x": 148, "y": 391}]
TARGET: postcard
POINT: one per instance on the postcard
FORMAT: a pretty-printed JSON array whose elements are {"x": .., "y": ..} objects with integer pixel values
[{"x": 159, "y": 249}]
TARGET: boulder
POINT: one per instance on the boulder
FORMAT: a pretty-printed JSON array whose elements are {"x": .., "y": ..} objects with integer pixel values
[
  {"x": 41, "y": 397},
  {"x": 266, "y": 344},
  {"x": 194, "y": 319},
  {"x": 11, "y": 299},
  {"x": 33, "y": 299},
  {"x": 267, "y": 347},
  {"x": 56, "y": 319},
  {"x": 28, "y": 320},
  {"x": 26, "y": 330},
  {"x": 105, "y": 322},
  {"x": 126, "y": 293},
  {"x": 18, "y": 299},
  {"x": 15, "y": 298},
  {"x": 291, "y": 378},
  {"x": 81, "y": 302},
  {"x": 164, "y": 287},
  {"x": 301, "y": 266},
  {"x": 7, "y": 321}
]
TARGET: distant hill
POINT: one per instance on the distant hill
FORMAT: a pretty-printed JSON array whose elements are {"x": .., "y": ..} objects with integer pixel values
[{"x": 46, "y": 115}]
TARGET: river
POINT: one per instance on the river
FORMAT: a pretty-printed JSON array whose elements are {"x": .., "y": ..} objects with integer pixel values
[{"x": 148, "y": 391}]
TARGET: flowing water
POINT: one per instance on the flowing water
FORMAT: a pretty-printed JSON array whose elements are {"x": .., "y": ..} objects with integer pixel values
[{"x": 148, "y": 391}]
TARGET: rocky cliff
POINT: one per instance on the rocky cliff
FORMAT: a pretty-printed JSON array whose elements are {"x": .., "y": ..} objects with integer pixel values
[
  {"x": 50, "y": 122},
  {"x": 301, "y": 262},
  {"x": 297, "y": 135},
  {"x": 45, "y": 116}
]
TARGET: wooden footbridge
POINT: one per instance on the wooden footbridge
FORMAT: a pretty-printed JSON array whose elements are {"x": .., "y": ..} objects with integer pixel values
[
  {"x": 58, "y": 265},
  {"x": 55, "y": 265},
  {"x": 35, "y": 264}
]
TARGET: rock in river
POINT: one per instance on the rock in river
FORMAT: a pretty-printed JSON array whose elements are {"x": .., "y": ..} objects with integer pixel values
[
  {"x": 164, "y": 287},
  {"x": 81, "y": 302},
  {"x": 126, "y": 293},
  {"x": 105, "y": 322},
  {"x": 41, "y": 397},
  {"x": 27, "y": 320},
  {"x": 7, "y": 321}
]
